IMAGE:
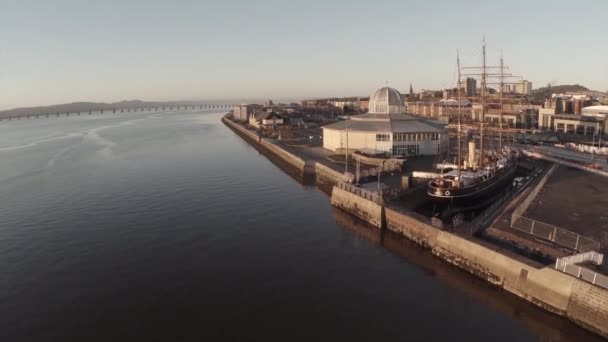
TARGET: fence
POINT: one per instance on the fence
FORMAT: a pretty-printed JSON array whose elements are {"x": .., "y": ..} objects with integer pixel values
[
  {"x": 594, "y": 257},
  {"x": 555, "y": 234},
  {"x": 568, "y": 265}
]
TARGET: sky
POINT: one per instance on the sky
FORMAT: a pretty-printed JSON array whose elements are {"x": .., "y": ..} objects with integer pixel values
[{"x": 105, "y": 51}]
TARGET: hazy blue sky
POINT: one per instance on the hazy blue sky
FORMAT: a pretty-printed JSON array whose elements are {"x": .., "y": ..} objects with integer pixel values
[{"x": 63, "y": 51}]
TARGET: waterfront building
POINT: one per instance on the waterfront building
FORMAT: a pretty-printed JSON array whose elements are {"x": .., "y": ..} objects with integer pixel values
[
  {"x": 589, "y": 122},
  {"x": 441, "y": 110},
  {"x": 385, "y": 128},
  {"x": 364, "y": 104},
  {"x": 242, "y": 112},
  {"x": 265, "y": 119}
]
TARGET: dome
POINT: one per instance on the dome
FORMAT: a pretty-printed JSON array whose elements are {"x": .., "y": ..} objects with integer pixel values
[{"x": 386, "y": 101}]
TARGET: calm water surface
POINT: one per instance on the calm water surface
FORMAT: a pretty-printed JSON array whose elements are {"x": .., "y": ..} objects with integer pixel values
[{"x": 167, "y": 226}]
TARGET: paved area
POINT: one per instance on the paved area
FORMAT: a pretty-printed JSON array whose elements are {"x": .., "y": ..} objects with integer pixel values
[{"x": 575, "y": 200}]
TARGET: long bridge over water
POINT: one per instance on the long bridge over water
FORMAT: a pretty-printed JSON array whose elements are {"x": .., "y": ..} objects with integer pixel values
[{"x": 118, "y": 110}]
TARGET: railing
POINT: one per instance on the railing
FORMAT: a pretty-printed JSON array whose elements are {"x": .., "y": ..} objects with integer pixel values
[
  {"x": 568, "y": 265},
  {"x": 555, "y": 234},
  {"x": 375, "y": 196},
  {"x": 594, "y": 257}
]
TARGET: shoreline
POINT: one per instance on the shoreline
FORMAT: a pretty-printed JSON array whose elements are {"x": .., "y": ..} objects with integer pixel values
[{"x": 580, "y": 302}]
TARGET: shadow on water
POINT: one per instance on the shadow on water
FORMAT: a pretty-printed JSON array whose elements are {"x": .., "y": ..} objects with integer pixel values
[{"x": 548, "y": 327}]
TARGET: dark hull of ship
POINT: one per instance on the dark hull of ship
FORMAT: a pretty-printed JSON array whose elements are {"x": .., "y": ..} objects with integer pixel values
[{"x": 473, "y": 194}]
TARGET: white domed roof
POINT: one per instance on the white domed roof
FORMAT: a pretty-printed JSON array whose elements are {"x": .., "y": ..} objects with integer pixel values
[{"x": 386, "y": 101}]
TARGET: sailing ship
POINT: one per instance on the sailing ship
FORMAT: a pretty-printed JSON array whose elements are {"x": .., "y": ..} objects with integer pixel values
[{"x": 483, "y": 174}]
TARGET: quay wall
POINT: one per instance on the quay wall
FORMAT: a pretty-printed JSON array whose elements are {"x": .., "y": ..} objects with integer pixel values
[
  {"x": 290, "y": 158},
  {"x": 328, "y": 174},
  {"x": 362, "y": 208},
  {"x": 417, "y": 229},
  {"x": 560, "y": 293},
  {"x": 589, "y": 307}
]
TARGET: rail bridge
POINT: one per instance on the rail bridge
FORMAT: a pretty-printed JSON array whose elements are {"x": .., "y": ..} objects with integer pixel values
[{"x": 118, "y": 110}]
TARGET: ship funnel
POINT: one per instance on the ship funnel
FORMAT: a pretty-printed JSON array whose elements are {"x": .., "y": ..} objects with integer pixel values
[{"x": 472, "y": 154}]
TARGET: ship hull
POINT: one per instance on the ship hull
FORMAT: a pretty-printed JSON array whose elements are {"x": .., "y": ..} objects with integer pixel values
[{"x": 473, "y": 194}]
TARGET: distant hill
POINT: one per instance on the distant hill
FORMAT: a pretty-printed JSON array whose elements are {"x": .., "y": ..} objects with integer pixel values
[
  {"x": 545, "y": 92},
  {"x": 83, "y": 107}
]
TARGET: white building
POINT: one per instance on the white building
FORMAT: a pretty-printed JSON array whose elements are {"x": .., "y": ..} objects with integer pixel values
[
  {"x": 385, "y": 128},
  {"x": 243, "y": 112},
  {"x": 264, "y": 119},
  {"x": 597, "y": 111}
]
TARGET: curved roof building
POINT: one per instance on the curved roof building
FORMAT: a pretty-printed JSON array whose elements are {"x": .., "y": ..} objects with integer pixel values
[
  {"x": 386, "y": 101},
  {"x": 386, "y": 128},
  {"x": 598, "y": 111}
]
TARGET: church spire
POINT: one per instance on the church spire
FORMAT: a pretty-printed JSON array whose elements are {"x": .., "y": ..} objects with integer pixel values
[{"x": 411, "y": 90}]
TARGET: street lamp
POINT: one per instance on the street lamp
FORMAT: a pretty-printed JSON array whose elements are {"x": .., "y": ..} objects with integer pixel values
[
  {"x": 344, "y": 111},
  {"x": 380, "y": 168}
]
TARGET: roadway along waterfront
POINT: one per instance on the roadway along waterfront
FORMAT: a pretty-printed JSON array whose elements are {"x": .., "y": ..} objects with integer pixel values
[{"x": 169, "y": 226}]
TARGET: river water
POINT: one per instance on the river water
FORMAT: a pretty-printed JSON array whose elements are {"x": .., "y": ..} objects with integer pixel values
[{"x": 168, "y": 226}]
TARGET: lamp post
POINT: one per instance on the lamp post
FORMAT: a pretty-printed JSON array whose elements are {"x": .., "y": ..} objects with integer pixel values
[
  {"x": 380, "y": 168},
  {"x": 344, "y": 111}
]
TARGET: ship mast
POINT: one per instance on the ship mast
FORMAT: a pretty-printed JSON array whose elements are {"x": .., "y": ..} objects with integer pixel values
[
  {"x": 459, "y": 115},
  {"x": 502, "y": 90},
  {"x": 483, "y": 102}
]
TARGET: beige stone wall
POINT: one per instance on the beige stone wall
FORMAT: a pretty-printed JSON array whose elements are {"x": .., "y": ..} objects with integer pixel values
[
  {"x": 413, "y": 228},
  {"x": 291, "y": 159},
  {"x": 589, "y": 306},
  {"x": 583, "y": 303},
  {"x": 364, "y": 209},
  {"x": 328, "y": 173}
]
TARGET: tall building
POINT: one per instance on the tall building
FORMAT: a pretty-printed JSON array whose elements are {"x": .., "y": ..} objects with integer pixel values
[
  {"x": 470, "y": 86},
  {"x": 524, "y": 87}
]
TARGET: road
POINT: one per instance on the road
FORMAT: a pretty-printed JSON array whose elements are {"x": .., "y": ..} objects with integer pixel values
[{"x": 557, "y": 152}]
